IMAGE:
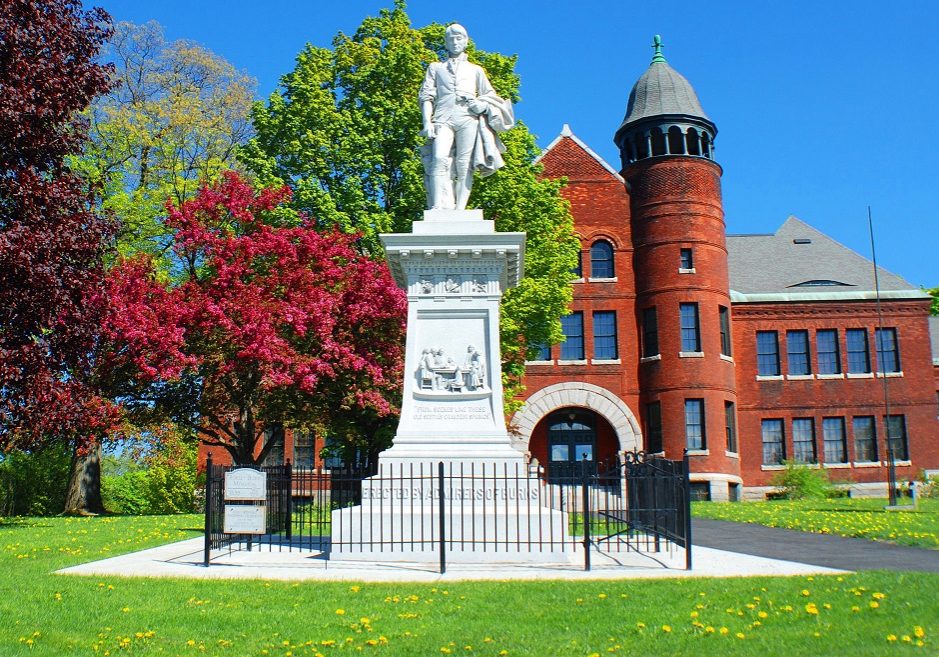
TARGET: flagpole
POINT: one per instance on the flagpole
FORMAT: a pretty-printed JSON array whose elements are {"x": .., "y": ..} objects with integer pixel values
[{"x": 878, "y": 346}]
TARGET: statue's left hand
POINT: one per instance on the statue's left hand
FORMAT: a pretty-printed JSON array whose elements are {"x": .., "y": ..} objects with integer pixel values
[{"x": 477, "y": 106}]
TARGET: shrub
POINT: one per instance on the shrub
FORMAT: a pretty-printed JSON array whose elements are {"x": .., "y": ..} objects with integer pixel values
[
  {"x": 33, "y": 483},
  {"x": 798, "y": 481},
  {"x": 162, "y": 480}
]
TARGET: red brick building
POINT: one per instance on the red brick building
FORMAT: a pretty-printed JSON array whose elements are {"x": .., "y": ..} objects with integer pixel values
[{"x": 747, "y": 350}]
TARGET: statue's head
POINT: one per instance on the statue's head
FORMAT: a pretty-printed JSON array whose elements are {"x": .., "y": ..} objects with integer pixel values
[{"x": 456, "y": 39}]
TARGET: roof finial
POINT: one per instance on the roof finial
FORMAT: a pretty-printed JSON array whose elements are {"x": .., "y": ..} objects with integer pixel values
[{"x": 658, "y": 57}]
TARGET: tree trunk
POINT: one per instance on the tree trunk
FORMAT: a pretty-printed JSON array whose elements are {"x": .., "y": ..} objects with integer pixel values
[{"x": 83, "y": 497}]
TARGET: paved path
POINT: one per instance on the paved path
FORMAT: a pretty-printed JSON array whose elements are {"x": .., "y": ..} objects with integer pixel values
[
  {"x": 184, "y": 559},
  {"x": 817, "y": 549}
]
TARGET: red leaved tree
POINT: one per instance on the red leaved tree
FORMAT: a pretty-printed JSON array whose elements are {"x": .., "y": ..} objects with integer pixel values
[
  {"x": 51, "y": 238},
  {"x": 266, "y": 324}
]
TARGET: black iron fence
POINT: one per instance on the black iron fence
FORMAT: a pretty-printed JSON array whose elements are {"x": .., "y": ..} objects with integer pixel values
[{"x": 464, "y": 512}]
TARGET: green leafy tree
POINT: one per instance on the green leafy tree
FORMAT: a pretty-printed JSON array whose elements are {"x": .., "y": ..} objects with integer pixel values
[
  {"x": 934, "y": 308},
  {"x": 172, "y": 120},
  {"x": 343, "y": 132}
]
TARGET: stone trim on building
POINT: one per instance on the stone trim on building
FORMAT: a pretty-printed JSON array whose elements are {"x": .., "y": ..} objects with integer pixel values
[{"x": 582, "y": 395}]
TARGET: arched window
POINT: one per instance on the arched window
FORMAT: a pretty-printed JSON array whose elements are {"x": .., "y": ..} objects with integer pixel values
[
  {"x": 676, "y": 141},
  {"x": 601, "y": 260},
  {"x": 705, "y": 145},
  {"x": 658, "y": 142},
  {"x": 642, "y": 147},
  {"x": 694, "y": 146}
]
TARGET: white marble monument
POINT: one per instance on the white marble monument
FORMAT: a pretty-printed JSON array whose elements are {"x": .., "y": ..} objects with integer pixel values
[{"x": 455, "y": 268}]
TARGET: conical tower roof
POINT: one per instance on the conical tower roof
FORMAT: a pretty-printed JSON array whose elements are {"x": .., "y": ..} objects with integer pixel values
[{"x": 660, "y": 91}]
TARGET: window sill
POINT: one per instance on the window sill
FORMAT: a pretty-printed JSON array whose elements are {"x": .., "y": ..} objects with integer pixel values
[
  {"x": 867, "y": 464},
  {"x": 800, "y": 377},
  {"x": 836, "y": 465},
  {"x": 538, "y": 362},
  {"x": 691, "y": 354},
  {"x": 603, "y": 280},
  {"x": 699, "y": 452},
  {"x": 686, "y": 271},
  {"x": 901, "y": 464},
  {"x": 733, "y": 455},
  {"x": 650, "y": 359},
  {"x": 605, "y": 361},
  {"x": 889, "y": 375},
  {"x": 829, "y": 377},
  {"x": 729, "y": 359},
  {"x": 860, "y": 375},
  {"x": 571, "y": 362},
  {"x": 578, "y": 280},
  {"x": 768, "y": 377},
  {"x": 772, "y": 467}
]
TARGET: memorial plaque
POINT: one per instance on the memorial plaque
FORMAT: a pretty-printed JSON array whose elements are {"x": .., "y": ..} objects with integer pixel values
[
  {"x": 245, "y": 519},
  {"x": 245, "y": 484}
]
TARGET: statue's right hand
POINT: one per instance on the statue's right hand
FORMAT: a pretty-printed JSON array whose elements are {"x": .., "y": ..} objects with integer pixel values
[{"x": 429, "y": 131}]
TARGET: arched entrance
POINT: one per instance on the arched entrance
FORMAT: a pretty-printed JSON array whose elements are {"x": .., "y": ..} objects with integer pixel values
[
  {"x": 529, "y": 421},
  {"x": 572, "y": 444}
]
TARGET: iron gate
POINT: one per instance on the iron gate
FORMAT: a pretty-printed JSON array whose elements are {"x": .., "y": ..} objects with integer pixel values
[{"x": 638, "y": 503}]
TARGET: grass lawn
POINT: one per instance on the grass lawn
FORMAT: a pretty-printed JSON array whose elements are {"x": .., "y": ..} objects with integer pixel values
[
  {"x": 864, "y": 518},
  {"x": 873, "y": 613}
]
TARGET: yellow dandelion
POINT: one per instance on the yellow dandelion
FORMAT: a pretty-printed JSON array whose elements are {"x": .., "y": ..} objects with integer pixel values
[
  {"x": 805, "y": 592},
  {"x": 724, "y": 630},
  {"x": 340, "y": 612},
  {"x": 762, "y": 614},
  {"x": 919, "y": 632},
  {"x": 666, "y": 628},
  {"x": 874, "y": 604},
  {"x": 741, "y": 635}
]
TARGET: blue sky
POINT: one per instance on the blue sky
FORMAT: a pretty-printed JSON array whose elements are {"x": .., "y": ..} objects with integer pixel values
[{"x": 822, "y": 108}]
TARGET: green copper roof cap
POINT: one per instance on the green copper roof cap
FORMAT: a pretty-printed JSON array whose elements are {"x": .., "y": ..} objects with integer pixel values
[{"x": 658, "y": 57}]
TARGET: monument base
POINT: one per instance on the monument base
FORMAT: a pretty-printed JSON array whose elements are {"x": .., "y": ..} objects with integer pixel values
[{"x": 488, "y": 512}]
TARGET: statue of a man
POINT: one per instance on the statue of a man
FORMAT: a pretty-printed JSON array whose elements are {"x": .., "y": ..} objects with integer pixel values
[{"x": 461, "y": 114}]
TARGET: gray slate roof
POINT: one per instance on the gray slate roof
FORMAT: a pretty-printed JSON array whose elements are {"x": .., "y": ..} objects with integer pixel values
[
  {"x": 934, "y": 337},
  {"x": 662, "y": 90},
  {"x": 768, "y": 264}
]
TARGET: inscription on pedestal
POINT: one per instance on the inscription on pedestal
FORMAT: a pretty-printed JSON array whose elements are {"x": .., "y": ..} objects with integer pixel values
[{"x": 452, "y": 412}]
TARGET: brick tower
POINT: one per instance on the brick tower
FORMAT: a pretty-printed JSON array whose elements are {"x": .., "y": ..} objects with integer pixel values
[{"x": 686, "y": 372}]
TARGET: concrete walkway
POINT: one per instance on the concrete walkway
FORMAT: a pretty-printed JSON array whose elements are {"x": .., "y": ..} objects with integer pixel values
[
  {"x": 184, "y": 559},
  {"x": 817, "y": 549}
]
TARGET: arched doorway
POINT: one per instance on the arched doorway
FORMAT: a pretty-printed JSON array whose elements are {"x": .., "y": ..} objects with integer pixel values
[{"x": 572, "y": 444}]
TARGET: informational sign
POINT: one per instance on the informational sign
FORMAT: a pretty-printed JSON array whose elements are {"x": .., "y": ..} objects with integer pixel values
[
  {"x": 245, "y": 519},
  {"x": 246, "y": 484}
]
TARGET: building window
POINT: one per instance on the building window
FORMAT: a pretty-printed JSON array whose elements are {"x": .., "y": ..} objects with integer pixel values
[
  {"x": 654, "y": 427},
  {"x": 700, "y": 491},
  {"x": 694, "y": 424},
  {"x": 836, "y": 445},
  {"x": 578, "y": 269},
  {"x": 803, "y": 440},
  {"x": 767, "y": 353},
  {"x": 573, "y": 327},
  {"x": 896, "y": 437},
  {"x": 686, "y": 259},
  {"x": 797, "y": 347},
  {"x": 604, "y": 335},
  {"x": 723, "y": 313},
  {"x": 865, "y": 439},
  {"x": 544, "y": 352},
  {"x": 774, "y": 447},
  {"x": 888, "y": 355},
  {"x": 273, "y": 436},
  {"x": 730, "y": 425},
  {"x": 829, "y": 357},
  {"x": 601, "y": 260},
  {"x": 303, "y": 452},
  {"x": 650, "y": 333},
  {"x": 859, "y": 357},
  {"x": 690, "y": 331}
]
